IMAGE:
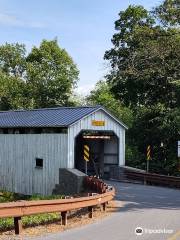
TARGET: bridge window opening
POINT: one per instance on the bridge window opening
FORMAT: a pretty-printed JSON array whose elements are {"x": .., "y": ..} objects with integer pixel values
[{"x": 39, "y": 163}]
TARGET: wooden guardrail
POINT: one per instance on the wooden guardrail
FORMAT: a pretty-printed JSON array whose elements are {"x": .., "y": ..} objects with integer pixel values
[
  {"x": 152, "y": 178},
  {"x": 105, "y": 193}
]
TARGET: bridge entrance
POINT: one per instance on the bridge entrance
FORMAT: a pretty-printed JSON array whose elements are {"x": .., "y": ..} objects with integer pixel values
[{"x": 103, "y": 152}]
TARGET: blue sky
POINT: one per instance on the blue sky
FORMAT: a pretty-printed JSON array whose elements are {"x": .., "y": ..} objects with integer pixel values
[{"x": 84, "y": 28}]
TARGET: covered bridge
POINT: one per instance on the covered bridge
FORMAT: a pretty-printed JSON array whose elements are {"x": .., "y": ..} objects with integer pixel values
[{"x": 35, "y": 144}]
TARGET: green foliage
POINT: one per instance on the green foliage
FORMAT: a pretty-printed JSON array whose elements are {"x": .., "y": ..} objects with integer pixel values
[
  {"x": 49, "y": 197},
  {"x": 45, "y": 77},
  {"x": 12, "y": 59},
  {"x": 40, "y": 219},
  {"x": 7, "y": 223},
  {"x": 145, "y": 60},
  {"x": 145, "y": 76},
  {"x": 51, "y": 75},
  {"x": 169, "y": 12},
  {"x": 77, "y": 99},
  {"x": 153, "y": 126},
  {"x": 12, "y": 92},
  {"x": 101, "y": 95},
  {"x": 6, "y": 196},
  {"x": 134, "y": 157}
]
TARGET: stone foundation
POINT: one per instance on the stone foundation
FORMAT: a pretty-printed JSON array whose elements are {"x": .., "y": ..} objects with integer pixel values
[{"x": 71, "y": 181}]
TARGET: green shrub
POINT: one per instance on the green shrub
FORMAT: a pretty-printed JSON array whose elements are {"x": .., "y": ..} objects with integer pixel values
[{"x": 8, "y": 223}]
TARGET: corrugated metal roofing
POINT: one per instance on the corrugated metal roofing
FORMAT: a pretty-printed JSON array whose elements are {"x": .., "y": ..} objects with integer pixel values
[{"x": 47, "y": 117}]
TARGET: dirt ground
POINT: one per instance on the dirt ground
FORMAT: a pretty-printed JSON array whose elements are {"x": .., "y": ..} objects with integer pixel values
[{"x": 75, "y": 219}]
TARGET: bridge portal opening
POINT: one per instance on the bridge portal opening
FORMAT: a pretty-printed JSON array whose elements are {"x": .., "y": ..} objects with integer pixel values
[{"x": 103, "y": 152}]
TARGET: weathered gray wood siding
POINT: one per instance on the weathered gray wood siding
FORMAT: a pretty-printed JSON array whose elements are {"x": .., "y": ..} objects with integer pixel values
[
  {"x": 18, "y": 152},
  {"x": 86, "y": 124},
  {"x": 111, "y": 150}
]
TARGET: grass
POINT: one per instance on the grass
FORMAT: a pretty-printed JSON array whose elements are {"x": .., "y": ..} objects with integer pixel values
[
  {"x": 14, "y": 197},
  {"x": 29, "y": 221},
  {"x": 34, "y": 220}
]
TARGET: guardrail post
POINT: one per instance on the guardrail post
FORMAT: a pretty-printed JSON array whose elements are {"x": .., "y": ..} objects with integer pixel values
[
  {"x": 90, "y": 209},
  {"x": 64, "y": 218},
  {"x": 145, "y": 182},
  {"x": 17, "y": 225},
  {"x": 104, "y": 206},
  {"x": 63, "y": 206}
]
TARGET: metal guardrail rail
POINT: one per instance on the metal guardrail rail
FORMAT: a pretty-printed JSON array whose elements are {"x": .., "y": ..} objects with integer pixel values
[
  {"x": 152, "y": 178},
  {"x": 105, "y": 193}
]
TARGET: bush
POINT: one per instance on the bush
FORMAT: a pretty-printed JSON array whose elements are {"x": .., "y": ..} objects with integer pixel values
[
  {"x": 28, "y": 221},
  {"x": 8, "y": 223}
]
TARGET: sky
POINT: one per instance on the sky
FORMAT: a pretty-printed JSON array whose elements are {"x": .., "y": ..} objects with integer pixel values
[{"x": 84, "y": 28}]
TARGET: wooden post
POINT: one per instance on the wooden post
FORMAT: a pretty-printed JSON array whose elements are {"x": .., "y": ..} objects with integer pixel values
[
  {"x": 90, "y": 209},
  {"x": 145, "y": 182},
  {"x": 104, "y": 206},
  {"x": 17, "y": 225},
  {"x": 64, "y": 218}
]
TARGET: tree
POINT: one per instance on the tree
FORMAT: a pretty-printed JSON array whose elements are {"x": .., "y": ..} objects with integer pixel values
[
  {"x": 101, "y": 95},
  {"x": 12, "y": 59},
  {"x": 145, "y": 76},
  {"x": 168, "y": 12},
  {"x": 159, "y": 127},
  {"x": 145, "y": 60},
  {"x": 46, "y": 76},
  {"x": 12, "y": 90},
  {"x": 51, "y": 75}
]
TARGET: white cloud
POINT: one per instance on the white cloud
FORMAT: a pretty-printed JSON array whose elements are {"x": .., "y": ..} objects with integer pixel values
[
  {"x": 13, "y": 21},
  {"x": 6, "y": 19}
]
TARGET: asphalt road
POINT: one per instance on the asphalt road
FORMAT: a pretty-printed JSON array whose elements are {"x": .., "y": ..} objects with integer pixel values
[{"x": 155, "y": 209}]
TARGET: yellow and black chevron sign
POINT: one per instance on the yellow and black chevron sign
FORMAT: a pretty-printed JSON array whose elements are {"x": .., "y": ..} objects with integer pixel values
[
  {"x": 86, "y": 153},
  {"x": 148, "y": 152}
]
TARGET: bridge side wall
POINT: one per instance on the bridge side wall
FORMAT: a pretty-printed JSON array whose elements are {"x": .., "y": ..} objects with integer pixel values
[{"x": 18, "y": 153}]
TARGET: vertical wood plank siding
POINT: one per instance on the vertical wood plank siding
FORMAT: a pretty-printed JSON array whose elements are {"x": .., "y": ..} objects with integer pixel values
[
  {"x": 18, "y": 172},
  {"x": 86, "y": 124}
]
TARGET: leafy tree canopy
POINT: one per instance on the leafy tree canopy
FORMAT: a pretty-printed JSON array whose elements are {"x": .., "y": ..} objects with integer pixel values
[
  {"x": 145, "y": 60},
  {"x": 145, "y": 76},
  {"x": 102, "y": 95},
  {"x": 51, "y": 75},
  {"x": 12, "y": 59},
  {"x": 12, "y": 91},
  {"x": 169, "y": 12},
  {"x": 45, "y": 77}
]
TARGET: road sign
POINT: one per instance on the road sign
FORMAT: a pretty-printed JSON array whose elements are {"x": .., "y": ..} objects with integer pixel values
[
  {"x": 86, "y": 156},
  {"x": 98, "y": 123},
  {"x": 148, "y": 152},
  {"x": 148, "y": 157},
  {"x": 86, "y": 153}
]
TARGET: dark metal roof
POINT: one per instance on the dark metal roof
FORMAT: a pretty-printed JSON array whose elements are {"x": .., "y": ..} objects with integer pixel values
[{"x": 47, "y": 117}]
